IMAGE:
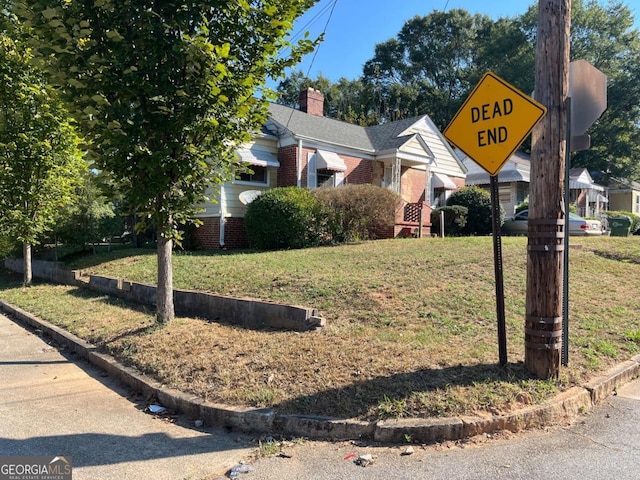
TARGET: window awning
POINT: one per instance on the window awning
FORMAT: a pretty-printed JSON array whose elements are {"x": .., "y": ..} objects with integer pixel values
[
  {"x": 259, "y": 158},
  {"x": 330, "y": 161},
  {"x": 440, "y": 180}
]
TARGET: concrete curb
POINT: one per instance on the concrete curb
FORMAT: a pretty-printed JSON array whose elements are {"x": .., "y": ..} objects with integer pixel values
[{"x": 563, "y": 407}]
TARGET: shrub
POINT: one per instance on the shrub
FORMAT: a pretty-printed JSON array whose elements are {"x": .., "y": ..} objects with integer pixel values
[
  {"x": 455, "y": 218},
  {"x": 635, "y": 219},
  {"x": 282, "y": 218},
  {"x": 356, "y": 212},
  {"x": 522, "y": 206},
  {"x": 478, "y": 203}
]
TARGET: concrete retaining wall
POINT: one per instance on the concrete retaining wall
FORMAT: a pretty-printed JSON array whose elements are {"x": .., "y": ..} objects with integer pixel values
[{"x": 239, "y": 311}]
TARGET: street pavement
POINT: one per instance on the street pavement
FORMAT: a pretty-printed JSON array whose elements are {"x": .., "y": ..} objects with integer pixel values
[
  {"x": 602, "y": 445},
  {"x": 54, "y": 404}
]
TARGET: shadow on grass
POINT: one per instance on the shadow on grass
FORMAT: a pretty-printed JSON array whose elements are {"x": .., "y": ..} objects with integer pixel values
[
  {"x": 389, "y": 395},
  {"x": 618, "y": 256}
]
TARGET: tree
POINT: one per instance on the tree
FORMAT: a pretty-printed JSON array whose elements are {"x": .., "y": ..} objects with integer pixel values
[
  {"x": 605, "y": 36},
  {"x": 348, "y": 100},
  {"x": 39, "y": 156},
  {"x": 92, "y": 218},
  {"x": 429, "y": 67},
  {"x": 165, "y": 91}
]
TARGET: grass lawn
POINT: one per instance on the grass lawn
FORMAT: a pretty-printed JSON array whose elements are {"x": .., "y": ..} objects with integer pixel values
[{"x": 411, "y": 324}]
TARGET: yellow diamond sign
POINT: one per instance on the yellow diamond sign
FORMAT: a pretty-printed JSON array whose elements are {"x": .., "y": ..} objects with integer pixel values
[{"x": 493, "y": 122}]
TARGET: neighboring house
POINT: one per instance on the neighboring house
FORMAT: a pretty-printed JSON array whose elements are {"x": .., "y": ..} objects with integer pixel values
[
  {"x": 624, "y": 195},
  {"x": 513, "y": 185},
  {"x": 305, "y": 149},
  {"x": 585, "y": 194},
  {"x": 513, "y": 180}
]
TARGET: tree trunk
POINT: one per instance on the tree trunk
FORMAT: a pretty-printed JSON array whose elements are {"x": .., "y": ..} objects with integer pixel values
[
  {"x": 165, "y": 311},
  {"x": 27, "y": 267},
  {"x": 543, "y": 322}
]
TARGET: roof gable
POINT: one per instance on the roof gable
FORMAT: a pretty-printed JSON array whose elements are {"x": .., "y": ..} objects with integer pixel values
[{"x": 398, "y": 136}]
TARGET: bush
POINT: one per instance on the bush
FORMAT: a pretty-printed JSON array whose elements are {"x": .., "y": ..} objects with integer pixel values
[
  {"x": 455, "y": 219},
  {"x": 356, "y": 212},
  {"x": 522, "y": 206},
  {"x": 282, "y": 218},
  {"x": 478, "y": 203}
]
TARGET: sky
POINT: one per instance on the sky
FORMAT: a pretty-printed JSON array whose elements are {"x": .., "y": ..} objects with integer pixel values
[{"x": 354, "y": 27}]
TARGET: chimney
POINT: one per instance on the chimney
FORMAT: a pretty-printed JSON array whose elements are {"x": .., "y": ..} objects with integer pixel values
[{"x": 312, "y": 102}]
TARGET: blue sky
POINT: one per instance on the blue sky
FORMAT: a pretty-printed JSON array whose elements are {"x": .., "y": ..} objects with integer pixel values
[{"x": 356, "y": 26}]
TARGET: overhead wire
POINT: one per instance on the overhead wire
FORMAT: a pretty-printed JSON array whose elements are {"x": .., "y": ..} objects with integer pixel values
[{"x": 331, "y": 5}]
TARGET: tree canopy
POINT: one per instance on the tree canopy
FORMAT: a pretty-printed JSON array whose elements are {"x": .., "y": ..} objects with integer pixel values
[
  {"x": 39, "y": 156},
  {"x": 434, "y": 61},
  {"x": 165, "y": 91}
]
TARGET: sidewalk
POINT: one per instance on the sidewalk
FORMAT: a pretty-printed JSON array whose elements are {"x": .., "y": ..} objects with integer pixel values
[{"x": 53, "y": 404}]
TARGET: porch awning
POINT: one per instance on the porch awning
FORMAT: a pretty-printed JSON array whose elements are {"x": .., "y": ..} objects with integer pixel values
[
  {"x": 580, "y": 185},
  {"x": 259, "y": 158},
  {"x": 440, "y": 180},
  {"x": 330, "y": 161}
]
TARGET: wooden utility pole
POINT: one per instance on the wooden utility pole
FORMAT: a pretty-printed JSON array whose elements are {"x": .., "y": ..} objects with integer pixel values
[{"x": 543, "y": 321}]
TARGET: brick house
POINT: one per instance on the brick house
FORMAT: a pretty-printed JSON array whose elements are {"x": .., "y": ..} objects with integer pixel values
[{"x": 305, "y": 149}]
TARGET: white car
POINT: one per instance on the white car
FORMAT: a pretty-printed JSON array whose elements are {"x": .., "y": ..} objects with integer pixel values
[{"x": 517, "y": 225}]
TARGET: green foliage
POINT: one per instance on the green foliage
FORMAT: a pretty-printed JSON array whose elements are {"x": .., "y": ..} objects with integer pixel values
[
  {"x": 455, "y": 219},
  {"x": 478, "y": 204},
  {"x": 349, "y": 100},
  {"x": 522, "y": 206},
  {"x": 434, "y": 61},
  {"x": 635, "y": 219},
  {"x": 165, "y": 90},
  {"x": 9, "y": 248},
  {"x": 92, "y": 218},
  {"x": 283, "y": 218},
  {"x": 40, "y": 162},
  {"x": 356, "y": 212}
]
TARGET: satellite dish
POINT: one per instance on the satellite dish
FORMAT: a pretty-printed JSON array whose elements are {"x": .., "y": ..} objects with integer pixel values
[{"x": 249, "y": 196}]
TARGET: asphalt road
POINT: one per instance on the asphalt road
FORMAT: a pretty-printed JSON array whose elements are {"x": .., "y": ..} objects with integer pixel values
[
  {"x": 604, "y": 444},
  {"x": 52, "y": 404}
]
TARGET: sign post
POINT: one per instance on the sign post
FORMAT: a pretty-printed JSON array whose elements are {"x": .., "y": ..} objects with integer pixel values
[
  {"x": 587, "y": 101},
  {"x": 489, "y": 127}
]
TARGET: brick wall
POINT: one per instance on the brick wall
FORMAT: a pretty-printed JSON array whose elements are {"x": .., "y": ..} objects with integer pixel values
[
  {"x": 288, "y": 172},
  {"x": 208, "y": 234},
  {"x": 359, "y": 171},
  {"x": 235, "y": 235}
]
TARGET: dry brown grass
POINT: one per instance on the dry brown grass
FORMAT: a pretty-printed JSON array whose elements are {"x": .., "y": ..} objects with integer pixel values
[{"x": 411, "y": 325}]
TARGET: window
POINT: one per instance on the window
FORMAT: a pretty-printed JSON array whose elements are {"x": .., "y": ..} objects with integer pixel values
[
  {"x": 324, "y": 169},
  {"x": 259, "y": 175}
]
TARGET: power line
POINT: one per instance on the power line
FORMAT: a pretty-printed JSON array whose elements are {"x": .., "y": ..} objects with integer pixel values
[{"x": 326, "y": 25}]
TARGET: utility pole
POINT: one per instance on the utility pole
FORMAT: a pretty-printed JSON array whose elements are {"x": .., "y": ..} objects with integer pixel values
[{"x": 547, "y": 218}]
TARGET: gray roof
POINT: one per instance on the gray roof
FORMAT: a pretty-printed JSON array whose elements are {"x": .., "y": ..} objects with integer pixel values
[
  {"x": 370, "y": 139},
  {"x": 292, "y": 121}
]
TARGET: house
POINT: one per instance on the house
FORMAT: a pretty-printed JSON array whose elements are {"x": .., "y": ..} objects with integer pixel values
[
  {"x": 624, "y": 195},
  {"x": 513, "y": 180},
  {"x": 585, "y": 194},
  {"x": 513, "y": 185},
  {"x": 305, "y": 149}
]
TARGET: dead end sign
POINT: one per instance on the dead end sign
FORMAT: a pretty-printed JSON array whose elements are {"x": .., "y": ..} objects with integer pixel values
[{"x": 493, "y": 122}]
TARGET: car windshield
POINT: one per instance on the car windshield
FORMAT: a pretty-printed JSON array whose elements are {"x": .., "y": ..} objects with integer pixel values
[{"x": 573, "y": 216}]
